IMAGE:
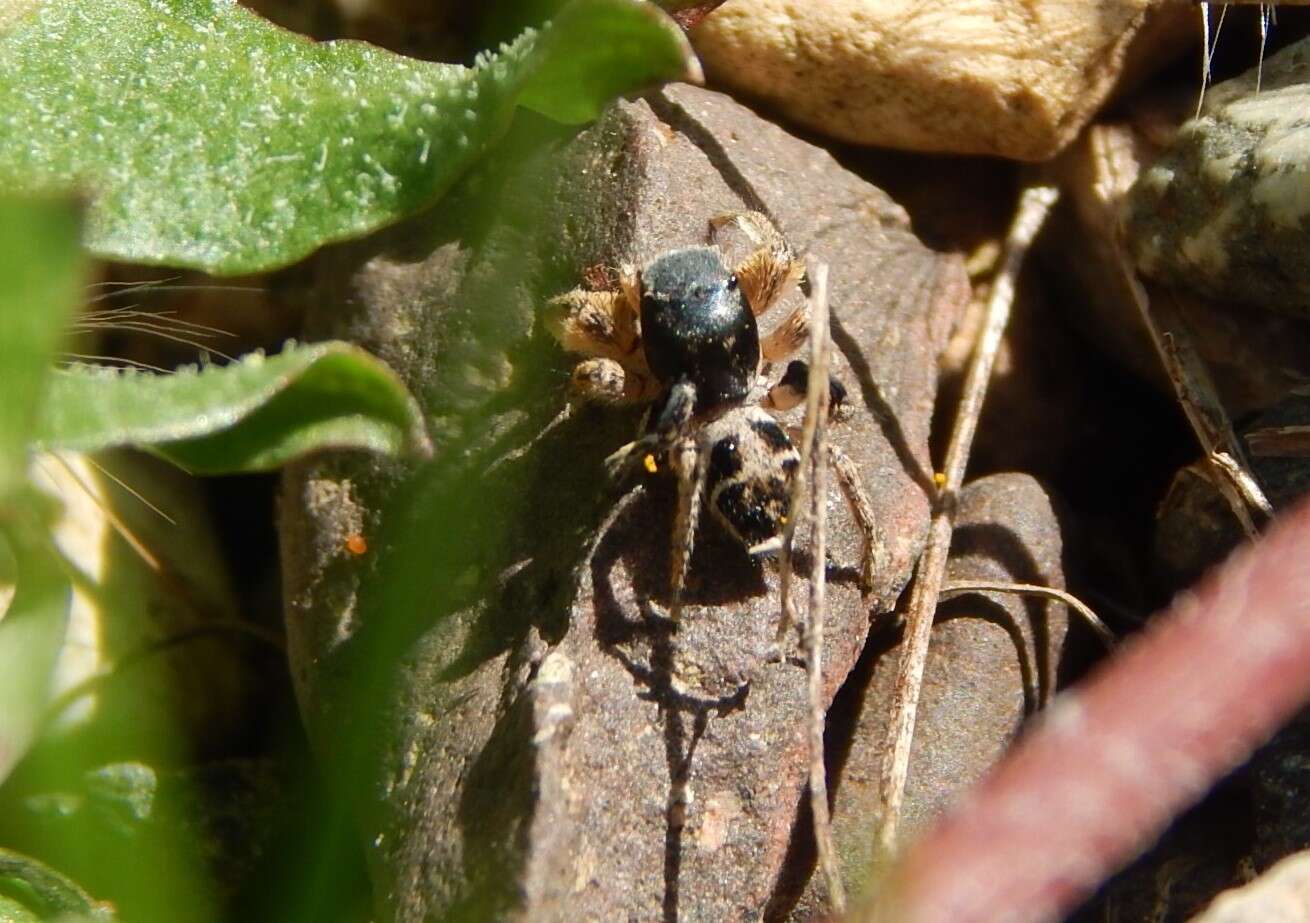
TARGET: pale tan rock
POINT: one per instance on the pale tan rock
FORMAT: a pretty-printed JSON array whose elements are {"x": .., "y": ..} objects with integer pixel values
[
  {"x": 1015, "y": 78},
  {"x": 1280, "y": 895}
]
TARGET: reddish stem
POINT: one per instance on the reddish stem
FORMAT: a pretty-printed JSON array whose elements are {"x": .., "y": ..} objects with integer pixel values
[{"x": 1117, "y": 758}]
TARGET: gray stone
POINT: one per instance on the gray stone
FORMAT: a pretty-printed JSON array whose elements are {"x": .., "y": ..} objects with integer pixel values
[
  {"x": 522, "y": 724},
  {"x": 1224, "y": 212}
]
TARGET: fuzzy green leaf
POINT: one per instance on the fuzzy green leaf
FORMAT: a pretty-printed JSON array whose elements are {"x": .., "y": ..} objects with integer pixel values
[
  {"x": 40, "y": 284},
  {"x": 31, "y": 890},
  {"x": 252, "y": 415},
  {"x": 627, "y": 46},
  {"x": 207, "y": 137}
]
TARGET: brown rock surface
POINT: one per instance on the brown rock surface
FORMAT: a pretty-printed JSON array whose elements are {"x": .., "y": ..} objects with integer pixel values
[
  {"x": 529, "y": 729},
  {"x": 993, "y": 659}
]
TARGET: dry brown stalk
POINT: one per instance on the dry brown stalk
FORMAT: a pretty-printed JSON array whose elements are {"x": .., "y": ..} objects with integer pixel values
[
  {"x": 1093, "y": 621},
  {"x": 816, "y": 414},
  {"x": 1034, "y": 205},
  {"x": 1200, "y": 402}
]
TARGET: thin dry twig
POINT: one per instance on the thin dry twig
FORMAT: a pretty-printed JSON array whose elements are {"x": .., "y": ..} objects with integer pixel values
[
  {"x": 796, "y": 503},
  {"x": 1200, "y": 402},
  {"x": 812, "y": 450},
  {"x": 1102, "y": 631},
  {"x": 1279, "y": 442},
  {"x": 110, "y": 671},
  {"x": 1034, "y": 205},
  {"x": 816, "y": 417}
]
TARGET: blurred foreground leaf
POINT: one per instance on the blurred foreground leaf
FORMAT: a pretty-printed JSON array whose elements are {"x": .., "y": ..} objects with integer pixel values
[
  {"x": 253, "y": 415},
  {"x": 40, "y": 284},
  {"x": 31, "y": 891},
  {"x": 209, "y": 138},
  {"x": 31, "y": 636}
]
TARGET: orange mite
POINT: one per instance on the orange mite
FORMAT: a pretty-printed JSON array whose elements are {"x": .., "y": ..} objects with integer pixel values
[{"x": 356, "y": 545}]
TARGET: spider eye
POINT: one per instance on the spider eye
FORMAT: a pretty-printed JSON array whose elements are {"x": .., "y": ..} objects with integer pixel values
[{"x": 732, "y": 282}]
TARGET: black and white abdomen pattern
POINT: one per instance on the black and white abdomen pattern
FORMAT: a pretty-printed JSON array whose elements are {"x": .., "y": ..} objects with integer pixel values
[{"x": 749, "y": 473}]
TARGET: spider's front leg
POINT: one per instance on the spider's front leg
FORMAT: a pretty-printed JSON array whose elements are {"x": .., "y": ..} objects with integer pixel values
[
  {"x": 765, "y": 277},
  {"x": 607, "y": 381},
  {"x": 793, "y": 386},
  {"x": 771, "y": 269},
  {"x": 603, "y": 324},
  {"x": 657, "y": 446},
  {"x": 687, "y": 464}
]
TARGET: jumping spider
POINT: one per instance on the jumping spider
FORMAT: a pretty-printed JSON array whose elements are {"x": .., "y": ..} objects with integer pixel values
[{"x": 681, "y": 335}]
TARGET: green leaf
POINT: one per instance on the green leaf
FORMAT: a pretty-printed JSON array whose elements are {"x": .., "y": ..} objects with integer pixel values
[
  {"x": 40, "y": 284},
  {"x": 253, "y": 415},
  {"x": 31, "y": 635},
  {"x": 627, "y": 46},
  {"x": 31, "y": 890},
  {"x": 11, "y": 911},
  {"x": 209, "y": 138}
]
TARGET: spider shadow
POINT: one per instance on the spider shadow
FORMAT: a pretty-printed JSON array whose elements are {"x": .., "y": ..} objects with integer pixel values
[
  {"x": 629, "y": 571},
  {"x": 872, "y": 396},
  {"x": 1001, "y": 546}
]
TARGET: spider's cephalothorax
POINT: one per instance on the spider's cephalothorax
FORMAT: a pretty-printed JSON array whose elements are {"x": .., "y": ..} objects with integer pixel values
[
  {"x": 695, "y": 324},
  {"x": 682, "y": 334}
]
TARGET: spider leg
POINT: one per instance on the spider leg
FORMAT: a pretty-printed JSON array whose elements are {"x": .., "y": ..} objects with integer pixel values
[
  {"x": 848, "y": 476},
  {"x": 602, "y": 324},
  {"x": 687, "y": 464},
  {"x": 783, "y": 340},
  {"x": 770, "y": 271},
  {"x": 790, "y": 389},
  {"x": 630, "y": 285},
  {"x": 608, "y": 381},
  {"x": 657, "y": 445}
]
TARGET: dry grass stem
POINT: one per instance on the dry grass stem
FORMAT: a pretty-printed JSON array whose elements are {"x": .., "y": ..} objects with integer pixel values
[
  {"x": 796, "y": 504},
  {"x": 1034, "y": 205},
  {"x": 1093, "y": 621},
  {"x": 813, "y": 448},
  {"x": 1200, "y": 402},
  {"x": 1279, "y": 442}
]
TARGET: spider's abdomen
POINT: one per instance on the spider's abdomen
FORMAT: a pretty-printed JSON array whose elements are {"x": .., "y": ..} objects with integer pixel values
[
  {"x": 695, "y": 325},
  {"x": 749, "y": 475}
]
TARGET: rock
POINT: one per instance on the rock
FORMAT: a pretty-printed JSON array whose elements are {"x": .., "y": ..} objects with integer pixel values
[
  {"x": 1010, "y": 78},
  {"x": 1253, "y": 360},
  {"x": 1224, "y": 212},
  {"x": 531, "y": 745},
  {"x": 1280, "y": 784},
  {"x": 1196, "y": 529},
  {"x": 1281, "y": 895},
  {"x": 992, "y": 661}
]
